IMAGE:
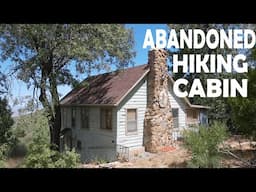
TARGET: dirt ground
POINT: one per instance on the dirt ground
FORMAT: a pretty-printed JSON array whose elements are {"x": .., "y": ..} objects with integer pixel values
[
  {"x": 242, "y": 152},
  {"x": 175, "y": 158}
]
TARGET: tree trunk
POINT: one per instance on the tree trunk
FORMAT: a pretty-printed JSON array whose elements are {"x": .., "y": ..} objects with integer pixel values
[
  {"x": 56, "y": 122},
  {"x": 55, "y": 127},
  {"x": 52, "y": 107},
  {"x": 55, "y": 130}
]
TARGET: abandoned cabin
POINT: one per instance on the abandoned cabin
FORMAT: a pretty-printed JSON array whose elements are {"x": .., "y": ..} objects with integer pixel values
[{"x": 124, "y": 112}]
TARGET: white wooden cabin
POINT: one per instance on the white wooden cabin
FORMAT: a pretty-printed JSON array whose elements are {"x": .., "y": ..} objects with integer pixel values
[{"x": 104, "y": 116}]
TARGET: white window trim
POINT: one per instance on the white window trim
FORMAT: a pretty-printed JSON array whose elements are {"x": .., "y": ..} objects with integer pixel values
[{"x": 137, "y": 124}]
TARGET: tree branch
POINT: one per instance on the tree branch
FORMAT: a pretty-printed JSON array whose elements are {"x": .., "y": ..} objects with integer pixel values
[
  {"x": 43, "y": 96},
  {"x": 246, "y": 163}
]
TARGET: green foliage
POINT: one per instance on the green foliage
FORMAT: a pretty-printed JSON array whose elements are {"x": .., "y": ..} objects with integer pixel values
[
  {"x": 6, "y": 122},
  {"x": 203, "y": 143},
  {"x": 243, "y": 110},
  {"x": 41, "y": 156},
  {"x": 3, "y": 150},
  {"x": 27, "y": 126},
  {"x": 67, "y": 159},
  {"x": 92, "y": 46}
]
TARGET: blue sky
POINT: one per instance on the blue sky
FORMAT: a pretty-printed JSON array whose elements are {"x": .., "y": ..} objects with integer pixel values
[{"x": 19, "y": 89}]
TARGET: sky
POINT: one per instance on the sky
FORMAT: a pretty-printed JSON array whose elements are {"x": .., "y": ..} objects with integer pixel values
[{"x": 20, "y": 91}]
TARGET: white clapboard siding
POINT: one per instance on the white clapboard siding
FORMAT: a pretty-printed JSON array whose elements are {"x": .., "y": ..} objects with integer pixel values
[
  {"x": 179, "y": 103},
  {"x": 97, "y": 143},
  {"x": 136, "y": 99}
]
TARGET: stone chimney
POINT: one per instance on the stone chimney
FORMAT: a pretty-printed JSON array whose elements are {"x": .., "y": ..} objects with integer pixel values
[{"x": 158, "y": 116}]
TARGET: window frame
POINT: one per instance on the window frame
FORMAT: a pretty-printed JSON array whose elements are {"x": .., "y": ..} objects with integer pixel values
[
  {"x": 73, "y": 121},
  {"x": 104, "y": 126},
  {"x": 83, "y": 109},
  {"x": 126, "y": 122}
]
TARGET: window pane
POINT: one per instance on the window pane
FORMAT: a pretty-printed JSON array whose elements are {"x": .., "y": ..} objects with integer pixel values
[
  {"x": 103, "y": 124},
  {"x": 175, "y": 112},
  {"x": 131, "y": 120},
  {"x": 131, "y": 126},
  {"x": 73, "y": 119},
  {"x": 131, "y": 114},
  {"x": 194, "y": 114},
  {"x": 106, "y": 118},
  {"x": 85, "y": 117}
]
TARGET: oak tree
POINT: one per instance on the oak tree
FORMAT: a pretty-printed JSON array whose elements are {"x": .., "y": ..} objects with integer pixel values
[{"x": 41, "y": 54}]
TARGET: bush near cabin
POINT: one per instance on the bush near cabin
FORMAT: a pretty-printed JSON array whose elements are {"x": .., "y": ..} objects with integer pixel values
[{"x": 203, "y": 144}]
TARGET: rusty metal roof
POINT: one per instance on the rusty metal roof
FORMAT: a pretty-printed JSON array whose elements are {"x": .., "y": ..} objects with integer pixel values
[{"x": 106, "y": 89}]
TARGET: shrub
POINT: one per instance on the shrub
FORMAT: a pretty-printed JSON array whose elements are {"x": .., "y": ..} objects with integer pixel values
[
  {"x": 3, "y": 150},
  {"x": 6, "y": 122},
  {"x": 204, "y": 143},
  {"x": 41, "y": 156},
  {"x": 26, "y": 127},
  {"x": 67, "y": 159}
]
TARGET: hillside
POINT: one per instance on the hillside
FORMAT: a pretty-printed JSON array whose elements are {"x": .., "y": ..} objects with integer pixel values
[
  {"x": 27, "y": 125},
  {"x": 24, "y": 129}
]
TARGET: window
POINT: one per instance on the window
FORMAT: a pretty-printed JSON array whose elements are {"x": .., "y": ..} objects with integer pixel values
[
  {"x": 131, "y": 124},
  {"x": 194, "y": 114},
  {"x": 64, "y": 118},
  {"x": 175, "y": 112},
  {"x": 85, "y": 118},
  {"x": 175, "y": 116},
  {"x": 106, "y": 118},
  {"x": 73, "y": 117}
]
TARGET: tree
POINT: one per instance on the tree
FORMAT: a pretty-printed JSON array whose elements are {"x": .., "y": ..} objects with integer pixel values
[
  {"x": 3, "y": 85},
  {"x": 220, "y": 109},
  {"x": 40, "y": 155},
  {"x": 243, "y": 110},
  {"x": 6, "y": 122},
  {"x": 42, "y": 53}
]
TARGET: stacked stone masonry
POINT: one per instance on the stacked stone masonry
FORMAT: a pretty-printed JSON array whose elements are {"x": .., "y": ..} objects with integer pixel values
[{"x": 158, "y": 116}]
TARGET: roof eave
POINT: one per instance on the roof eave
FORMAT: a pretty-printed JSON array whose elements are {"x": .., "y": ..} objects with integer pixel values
[
  {"x": 87, "y": 105},
  {"x": 200, "y": 107}
]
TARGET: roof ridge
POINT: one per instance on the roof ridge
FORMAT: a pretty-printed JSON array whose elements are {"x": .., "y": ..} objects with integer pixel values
[{"x": 117, "y": 70}]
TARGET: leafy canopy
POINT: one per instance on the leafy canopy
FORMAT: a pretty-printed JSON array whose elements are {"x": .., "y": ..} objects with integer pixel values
[
  {"x": 41, "y": 54},
  {"x": 89, "y": 46}
]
